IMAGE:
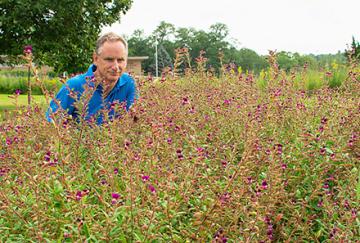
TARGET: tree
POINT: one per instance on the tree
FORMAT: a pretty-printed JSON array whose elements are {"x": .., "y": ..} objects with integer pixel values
[
  {"x": 249, "y": 60},
  {"x": 62, "y": 32},
  {"x": 354, "y": 52}
]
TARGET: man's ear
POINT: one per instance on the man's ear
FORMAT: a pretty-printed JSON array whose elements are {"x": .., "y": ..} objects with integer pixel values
[{"x": 95, "y": 58}]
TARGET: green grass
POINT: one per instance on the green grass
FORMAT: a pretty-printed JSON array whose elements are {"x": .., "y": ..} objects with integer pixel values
[{"x": 8, "y": 102}]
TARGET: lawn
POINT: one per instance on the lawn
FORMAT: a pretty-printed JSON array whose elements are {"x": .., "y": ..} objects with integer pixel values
[{"x": 8, "y": 102}]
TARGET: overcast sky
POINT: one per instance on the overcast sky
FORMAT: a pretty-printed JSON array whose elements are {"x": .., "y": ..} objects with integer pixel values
[{"x": 304, "y": 26}]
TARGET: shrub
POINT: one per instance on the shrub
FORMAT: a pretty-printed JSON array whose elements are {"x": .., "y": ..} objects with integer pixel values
[
  {"x": 198, "y": 158},
  {"x": 9, "y": 84}
]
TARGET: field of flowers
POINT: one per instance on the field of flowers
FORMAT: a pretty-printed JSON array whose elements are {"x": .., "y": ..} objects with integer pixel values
[{"x": 198, "y": 158}]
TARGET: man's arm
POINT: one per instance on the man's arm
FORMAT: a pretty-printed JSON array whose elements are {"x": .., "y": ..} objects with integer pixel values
[{"x": 63, "y": 99}]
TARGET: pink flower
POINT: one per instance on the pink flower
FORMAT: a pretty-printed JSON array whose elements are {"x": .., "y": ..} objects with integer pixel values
[
  {"x": 78, "y": 195},
  {"x": 28, "y": 49},
  {"x": 116, "y": 171},
  {"x": 145, "y": 178},
  {"x": 152, "y": 188},
  {"x": 115, "y": 195},
  {"x": 264, "y": 185}
]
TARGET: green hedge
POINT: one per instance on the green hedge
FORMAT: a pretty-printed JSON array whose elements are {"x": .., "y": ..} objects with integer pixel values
[{"x": 9, "y": 84}]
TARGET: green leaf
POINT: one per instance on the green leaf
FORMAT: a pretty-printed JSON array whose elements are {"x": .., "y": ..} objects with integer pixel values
[{"x": 58, "y": 188}]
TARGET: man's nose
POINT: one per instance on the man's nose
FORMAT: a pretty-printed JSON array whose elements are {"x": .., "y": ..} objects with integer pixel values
[{"x": 116, "y": 65}]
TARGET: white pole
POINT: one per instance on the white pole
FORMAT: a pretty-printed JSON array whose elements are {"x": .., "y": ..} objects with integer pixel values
[{"x": 156, "y": 59}]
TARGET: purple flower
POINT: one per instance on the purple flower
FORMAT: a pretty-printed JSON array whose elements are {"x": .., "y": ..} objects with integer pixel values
[
  {"x": 200, "y": 149},
  {"x": 28, "y": 49},
  {"x": 264, "y": 185},
  {"x": 227, "y": 102},
  {"x": 353, "y": 213},
  {"x": 47, "y": 156},
  {"x": 152, "y": 188},
  {"x": 320, "y": 203},
  {"x": 279, "y": 149},
  {"x": 17, "y": 91},
  {"x": 322, "y": 151},
  {"x": 185, "y": 101},
  {"x": 145, "y": 178},
  {"x": 225, "y": 198},
  {"x": 116, "y": 171},
  {"x": 324, "y": 120},
  {"x": 115, "y": 195},
  {"x": 78, "y": 195}
]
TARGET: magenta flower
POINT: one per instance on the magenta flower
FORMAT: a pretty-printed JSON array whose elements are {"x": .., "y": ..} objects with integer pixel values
[
  {"x": 47, "y": 156},
  {"x": 320, "y": 203},
  {"x": 152, "y": 188},
  {"x": 225, "y": 198},
  {"x": 115, "y": 195},
  {"x": 227, "y": 102},
  {"x": 353, "y": 213},
  {"x": 322, "y": 151},
  {"x": 116, "y": 171},
  {"x": 78, "y": 195},
  {"x": 324, "y": 120},
  {"x": 185, "y": 101},
  {"x": 17, "y": 91},
  {"x": 28, "y": 49},
  {"x": 145, "y": 178},
  {"x": 279, "y": 149},
  {"x": 264, "y": 185}
]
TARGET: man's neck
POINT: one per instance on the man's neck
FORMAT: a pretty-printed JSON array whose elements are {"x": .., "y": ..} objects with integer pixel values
[{"x": 107, "y": 87}]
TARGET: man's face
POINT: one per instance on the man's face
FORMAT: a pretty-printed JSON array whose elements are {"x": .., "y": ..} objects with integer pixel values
[{"x": 111, "y": 61}]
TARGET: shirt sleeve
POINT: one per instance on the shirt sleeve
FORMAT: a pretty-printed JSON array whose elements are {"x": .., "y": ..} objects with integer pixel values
[{"x": 63, "y": 98}]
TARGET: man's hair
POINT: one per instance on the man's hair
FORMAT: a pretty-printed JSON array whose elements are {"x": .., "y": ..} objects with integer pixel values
[{"x": 111, "y": 37}]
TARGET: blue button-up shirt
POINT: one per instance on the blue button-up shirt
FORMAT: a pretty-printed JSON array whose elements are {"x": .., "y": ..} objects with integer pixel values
[{"x": 124, "y": 91}]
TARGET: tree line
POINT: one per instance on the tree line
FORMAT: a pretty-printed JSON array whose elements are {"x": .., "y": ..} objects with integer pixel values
[{"x": 213, "y": 42}]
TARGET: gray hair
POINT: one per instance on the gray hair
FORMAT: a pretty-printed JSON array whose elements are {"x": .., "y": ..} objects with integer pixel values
[{"x": 112, "y": 37}]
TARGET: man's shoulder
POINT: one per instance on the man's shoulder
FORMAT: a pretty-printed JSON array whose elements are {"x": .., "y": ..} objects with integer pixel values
[
  {"x": 76, "y": 82},
  {"x": 126, "y": 79}
]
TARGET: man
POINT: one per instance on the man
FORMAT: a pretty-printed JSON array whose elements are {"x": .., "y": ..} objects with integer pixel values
[{"x": 105, "y": 79}]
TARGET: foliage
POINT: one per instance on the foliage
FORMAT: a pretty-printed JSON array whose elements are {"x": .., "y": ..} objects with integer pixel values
[
  {"x": 8, "y": 85},
  {"x": 216, "y": 42},
  {"x": 198, "y": 158},
  {"x": 354, "y": 52},
  {"x": 62, "y": 33}
]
